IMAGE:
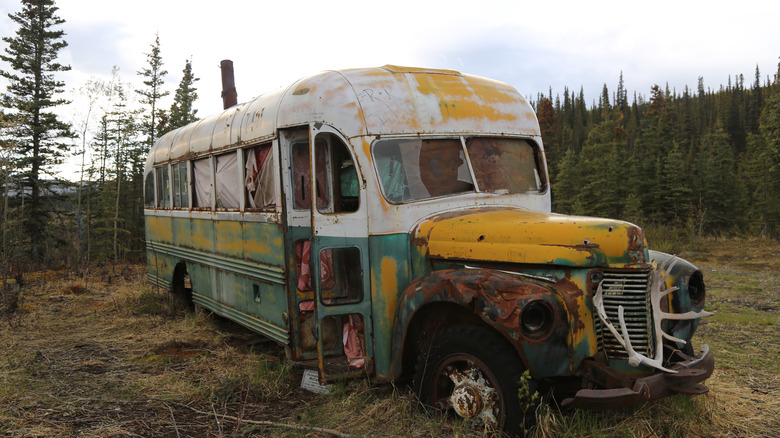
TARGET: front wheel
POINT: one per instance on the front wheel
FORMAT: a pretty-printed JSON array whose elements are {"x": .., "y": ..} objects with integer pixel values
[{"x": 474, "y": 373}]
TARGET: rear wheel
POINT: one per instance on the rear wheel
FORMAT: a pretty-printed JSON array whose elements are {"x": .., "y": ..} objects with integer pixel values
[{"x": 474, "y": 373}]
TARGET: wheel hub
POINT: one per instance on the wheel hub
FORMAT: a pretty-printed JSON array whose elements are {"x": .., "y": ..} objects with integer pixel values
[
  {"x": 473, "y": 398},
  {"x": 466, "y": 400}
]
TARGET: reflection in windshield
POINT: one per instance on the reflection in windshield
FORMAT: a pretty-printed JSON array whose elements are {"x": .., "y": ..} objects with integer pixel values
[
  {"x": 411, "y": 170},
  {"x": 504, "y": 165}
]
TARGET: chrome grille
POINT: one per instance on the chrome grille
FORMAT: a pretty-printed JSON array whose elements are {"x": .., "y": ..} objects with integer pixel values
[{"x": 632, "y": 291}]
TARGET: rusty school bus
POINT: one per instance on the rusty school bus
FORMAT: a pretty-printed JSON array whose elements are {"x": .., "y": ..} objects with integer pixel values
[{"x": 395, "y": 223}]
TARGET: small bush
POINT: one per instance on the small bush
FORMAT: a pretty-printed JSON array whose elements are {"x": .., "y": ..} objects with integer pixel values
[
  {"x": 229, "y": 389},
  {"x": 151, "y": 303},
  {"x": 9, "y": 299},
  {"x": 666, "y": 238}
]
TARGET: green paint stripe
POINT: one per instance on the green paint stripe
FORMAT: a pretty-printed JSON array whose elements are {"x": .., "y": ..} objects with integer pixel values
[
  {"x": 158, "y": 281},
  {"x": 278, "y": 334},
  {"x": 265, "y": 272}
]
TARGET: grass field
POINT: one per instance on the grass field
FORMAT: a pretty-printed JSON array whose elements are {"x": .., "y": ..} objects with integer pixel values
[{"x": 108, "y": 357}]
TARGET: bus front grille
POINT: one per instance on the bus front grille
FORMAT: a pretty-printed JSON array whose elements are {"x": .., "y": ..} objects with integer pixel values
[{"x": 632, "y": 291}]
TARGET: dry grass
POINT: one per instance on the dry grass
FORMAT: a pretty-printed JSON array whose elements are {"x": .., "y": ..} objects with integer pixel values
[
  {"x": 117, "y": 359},
  {"x": 91, "y": 363},
  {"x": 98, "y": 358}
]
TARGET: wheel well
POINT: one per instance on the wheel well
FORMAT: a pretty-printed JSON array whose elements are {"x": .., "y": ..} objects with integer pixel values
[
  {"x": 427, "y": 322},
  {"x": 181, "y": 293}
]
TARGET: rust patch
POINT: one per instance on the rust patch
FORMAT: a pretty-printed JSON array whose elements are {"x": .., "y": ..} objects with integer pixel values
[
  {"x": 573, "y": 298},
  {"x": 495, "y": 297},
  {"x": 637, "y": 246}
]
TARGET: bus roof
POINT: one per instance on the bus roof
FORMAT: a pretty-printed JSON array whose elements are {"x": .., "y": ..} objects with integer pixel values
[{"x": 388, "y": 100}]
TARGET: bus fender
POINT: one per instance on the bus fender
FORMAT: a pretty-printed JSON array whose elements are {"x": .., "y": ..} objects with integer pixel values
[
  {"x": 690, "y": 295},
  {"x": 528, "y": 313}
]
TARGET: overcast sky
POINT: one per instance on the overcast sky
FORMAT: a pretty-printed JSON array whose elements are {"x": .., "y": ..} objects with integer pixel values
[{"x": 530, "y": 45}]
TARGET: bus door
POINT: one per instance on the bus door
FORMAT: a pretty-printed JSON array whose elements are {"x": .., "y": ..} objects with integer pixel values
[{"x": 339, "y": 258}]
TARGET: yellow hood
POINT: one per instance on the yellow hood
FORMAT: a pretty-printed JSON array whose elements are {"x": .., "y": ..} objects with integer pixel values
[{"x": 524, "y": 236}]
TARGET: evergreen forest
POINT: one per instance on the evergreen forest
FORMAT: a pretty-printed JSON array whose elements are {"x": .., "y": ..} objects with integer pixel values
[
  {"x": 693, "y": 163},
  {"x": 689, "y": 163}
]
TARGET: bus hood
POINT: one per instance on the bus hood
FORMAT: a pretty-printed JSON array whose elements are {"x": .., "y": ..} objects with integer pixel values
[{"x": 524, "y": 236}]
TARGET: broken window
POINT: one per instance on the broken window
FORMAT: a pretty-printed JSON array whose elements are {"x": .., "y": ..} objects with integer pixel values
[
  {"x": 504, "y": 165},
  {"x": 352, "y": 339},
  {"x": 411, "y": 170},
  {"x": 419, "y": 169},
  {"x": 344, "y": 276},
  {"x": 302, "y": 177},
  {"x": 181, "y": 185},
  {"x": 149, "y": 190},
  {"x": 260, "y": 179},
  {"x": 203, "y": 184},
  {"x": 163, "y": 187},
  {"x": 339, "y": 182},
  {"x": 228, "y": 188}
]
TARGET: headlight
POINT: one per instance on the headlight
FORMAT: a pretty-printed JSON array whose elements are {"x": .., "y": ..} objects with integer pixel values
[
  {"x": 536, "y": 319},
  {"x": 696, "y": 290}
]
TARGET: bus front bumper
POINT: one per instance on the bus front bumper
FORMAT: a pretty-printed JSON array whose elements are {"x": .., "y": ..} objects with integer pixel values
[{"x": 686, "y": 380}]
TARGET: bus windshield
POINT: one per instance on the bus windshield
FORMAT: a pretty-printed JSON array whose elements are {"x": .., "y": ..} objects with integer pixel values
[{"x": 417, "y": 169}]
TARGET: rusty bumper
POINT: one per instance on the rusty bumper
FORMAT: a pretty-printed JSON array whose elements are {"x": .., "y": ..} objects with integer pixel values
[{"x": 690, "y": 373}]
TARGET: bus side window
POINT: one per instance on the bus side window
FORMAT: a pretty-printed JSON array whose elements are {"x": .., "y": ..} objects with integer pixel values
[
  {"x": 228, "y": 191},
  {"x": 203, "y": 185},
  {"x": 259, "y": 181},
  {"x": 149, "y": 190},
  {"x": 163, "y": 187},
  {"x": 181, "y": 185}
]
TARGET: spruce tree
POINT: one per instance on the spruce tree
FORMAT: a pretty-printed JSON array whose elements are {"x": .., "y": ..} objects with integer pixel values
[
  {"x": 676, "y": 195},
  {"x": 756, "y": 102},
  {"x": 566, "y": 187},
  {"x": 718, "y": 188},
  {"x": 181, "y": 112},
  {"x": 150, "y": 95},
  {"x": 31, "y": 95},
  {"x": 602, "y": 161},
  {"x": 755, "y": 169},
  {"x": 548, "y": 124}
]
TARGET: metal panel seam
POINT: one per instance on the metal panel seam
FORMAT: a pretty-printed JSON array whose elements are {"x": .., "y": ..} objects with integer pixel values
[{"x": 262, "y": 271}]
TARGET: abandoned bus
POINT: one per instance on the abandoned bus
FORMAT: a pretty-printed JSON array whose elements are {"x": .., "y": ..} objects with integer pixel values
[{"x": 395, "y": 223}]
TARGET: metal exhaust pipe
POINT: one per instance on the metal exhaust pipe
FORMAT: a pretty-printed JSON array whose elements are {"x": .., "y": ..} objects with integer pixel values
[{"x": 229, "y": 94}]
